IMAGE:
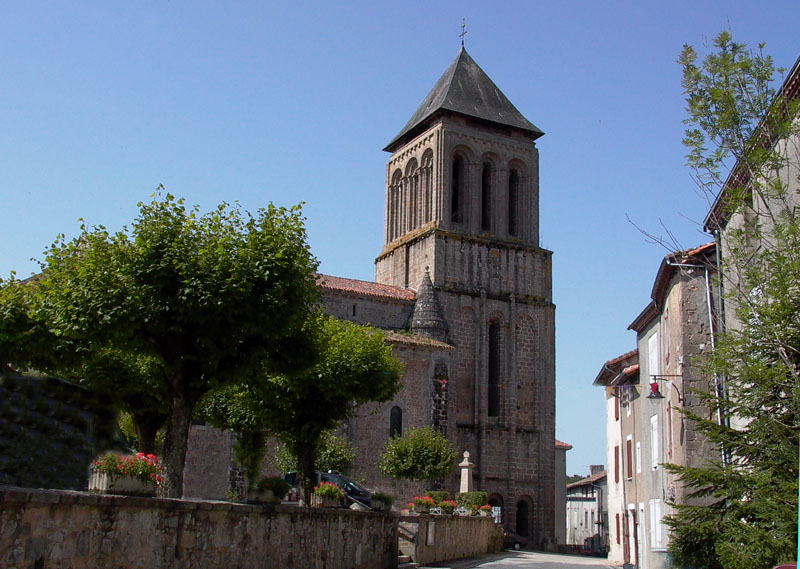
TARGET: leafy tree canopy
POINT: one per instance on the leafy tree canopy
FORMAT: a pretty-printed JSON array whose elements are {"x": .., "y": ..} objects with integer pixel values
[
  {"x": 179, "y": 304},
  {"x": 419, "y": 454},
  {"x": 354, "y": 365}
]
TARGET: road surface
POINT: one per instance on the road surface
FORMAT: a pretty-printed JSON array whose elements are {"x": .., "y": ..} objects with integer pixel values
[{"x": 528, "y": 560}]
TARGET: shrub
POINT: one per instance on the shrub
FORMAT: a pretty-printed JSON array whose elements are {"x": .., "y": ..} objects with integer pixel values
[
  {"x": 383, "y": 498},
  {"x": 278, "y": 486},
  {"x": 420, "y": 454},
  {"x": 438, "y": 495},
  {"x": 472, "y": 500}
]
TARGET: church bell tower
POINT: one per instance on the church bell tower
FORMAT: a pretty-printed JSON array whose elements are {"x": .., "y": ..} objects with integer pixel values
[{"x": 462, "y": 223}]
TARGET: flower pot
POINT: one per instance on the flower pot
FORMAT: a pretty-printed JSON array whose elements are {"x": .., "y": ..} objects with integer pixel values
[
  {"x": 104, "y": 483},
  {"x": 323, "y": 501},
  {"x": 421, "y": 509}
]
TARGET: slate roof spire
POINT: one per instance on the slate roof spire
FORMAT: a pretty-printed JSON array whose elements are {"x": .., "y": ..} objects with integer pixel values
[
  {"x": 465, "y": 89},
  {"x": 428, "y": 318}
]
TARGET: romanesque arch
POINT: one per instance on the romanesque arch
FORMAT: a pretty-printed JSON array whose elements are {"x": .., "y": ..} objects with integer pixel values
[{"x": 524, "y": 521}]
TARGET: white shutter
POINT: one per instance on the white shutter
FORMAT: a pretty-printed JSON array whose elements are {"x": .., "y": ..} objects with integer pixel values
[{"x": 655, "y": 450}]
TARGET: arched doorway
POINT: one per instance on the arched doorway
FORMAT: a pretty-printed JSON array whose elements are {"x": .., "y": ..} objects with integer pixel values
[
  {"x": 523, "y": 517},
  {"x": 496, "y": 501}
]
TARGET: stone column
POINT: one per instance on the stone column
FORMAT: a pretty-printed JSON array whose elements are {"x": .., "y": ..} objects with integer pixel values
[{"x": 466, "y": 473}]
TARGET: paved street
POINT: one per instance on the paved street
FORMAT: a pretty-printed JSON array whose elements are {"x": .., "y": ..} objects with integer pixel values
[{"x": 528, "y": 560}]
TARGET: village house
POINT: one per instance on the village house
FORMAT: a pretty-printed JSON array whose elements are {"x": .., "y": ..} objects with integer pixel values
[{"x": 646, "y": 391}]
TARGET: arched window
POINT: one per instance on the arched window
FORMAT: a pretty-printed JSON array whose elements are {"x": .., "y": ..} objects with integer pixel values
[
  {"x": 457, "y": 191},
  {"x": 513, "y": 203},
  {"x": 486, "y": 197},
  {"x": 396, "y": 422},
  {"x": 493, "y": 401}
]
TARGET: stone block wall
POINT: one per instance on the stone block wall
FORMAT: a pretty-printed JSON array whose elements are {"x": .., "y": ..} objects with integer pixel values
[
  {"x": 209, "y": 458},
  {"x": 386, "y": 313},
  {"x": 429, "y": 539},
  {"x": 59, "y": 529}
]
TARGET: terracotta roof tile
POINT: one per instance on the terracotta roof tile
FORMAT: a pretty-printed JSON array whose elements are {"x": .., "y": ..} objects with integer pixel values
[
  {"x": 565, "y": 446},
  {"x": 365, "y": 287},
  {"x": 589, "y": 479}
]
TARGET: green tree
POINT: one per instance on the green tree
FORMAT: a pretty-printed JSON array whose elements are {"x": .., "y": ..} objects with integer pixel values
[
  {"x": 202, "y": 301},
  {"x": 333, "y": 453},
  {"x": 742, "y": 141},
  {"x": 355, "y": 366},
  {"x": 419, "y": 454}
]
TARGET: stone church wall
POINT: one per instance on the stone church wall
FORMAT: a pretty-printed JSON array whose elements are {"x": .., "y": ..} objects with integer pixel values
[
  {"x": 386, "y": 313},
  {"x": 369, "y": 430}
]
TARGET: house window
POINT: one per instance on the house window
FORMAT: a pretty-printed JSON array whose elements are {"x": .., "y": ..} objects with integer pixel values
[
  {"x": 396, "y": 422},
  {"x": 616, "y": 464},
  {"x": 457, "y": 191},
  {"x": 493, "y": 402},
  {"x": 486, "y": 197}
]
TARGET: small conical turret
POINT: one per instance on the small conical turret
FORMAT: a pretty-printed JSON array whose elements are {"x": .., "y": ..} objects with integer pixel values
[{"x": 428, "y": 318}]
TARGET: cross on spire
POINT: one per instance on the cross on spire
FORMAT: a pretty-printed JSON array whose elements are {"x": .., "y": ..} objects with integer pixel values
[{"x": 463, "y": 30}]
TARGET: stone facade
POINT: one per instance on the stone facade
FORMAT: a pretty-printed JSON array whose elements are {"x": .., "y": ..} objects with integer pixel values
[{"x": 462, "y": 195}]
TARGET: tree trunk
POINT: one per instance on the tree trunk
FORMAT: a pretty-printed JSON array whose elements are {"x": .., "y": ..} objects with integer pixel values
[
  {"x": 147, "y": 426},
  {"x": 175, "y": 445},
  {"x": 306, "y": 456}
]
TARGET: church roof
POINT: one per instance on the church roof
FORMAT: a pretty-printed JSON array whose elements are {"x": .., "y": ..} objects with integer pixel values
[
  {"x": 467, "y": 90},
  {"x": 364, "y": 287}
]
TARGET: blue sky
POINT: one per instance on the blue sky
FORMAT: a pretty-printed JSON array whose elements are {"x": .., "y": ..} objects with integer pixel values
[{"x": 100, "y": 102}]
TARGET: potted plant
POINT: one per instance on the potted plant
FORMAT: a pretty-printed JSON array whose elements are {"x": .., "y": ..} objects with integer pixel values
[
  {"x": 326, "y": 495},
  {"x": 270, "y": 490},
  {"x": 134, "y": 474},
  {"x": 381, "y": 502},
  {"x": 485, "y": 510},
  {"x": 448, "y": 506},
  {"x": 423, "y": 504}
]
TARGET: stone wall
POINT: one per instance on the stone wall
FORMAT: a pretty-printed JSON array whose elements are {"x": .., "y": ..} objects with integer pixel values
[
  {"x": 58, "y": 529},
  {"x": 209, "y": 458},
  {"x": 428, "y": 539}
]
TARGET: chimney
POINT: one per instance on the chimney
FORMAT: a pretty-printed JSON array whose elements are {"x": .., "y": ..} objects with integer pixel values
[{"x": 595, "y": 469}]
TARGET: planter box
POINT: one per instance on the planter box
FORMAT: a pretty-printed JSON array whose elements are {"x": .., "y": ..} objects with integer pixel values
[
  {"x": 104, "y": 483},
  {"x": 323, "y": 502}
]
